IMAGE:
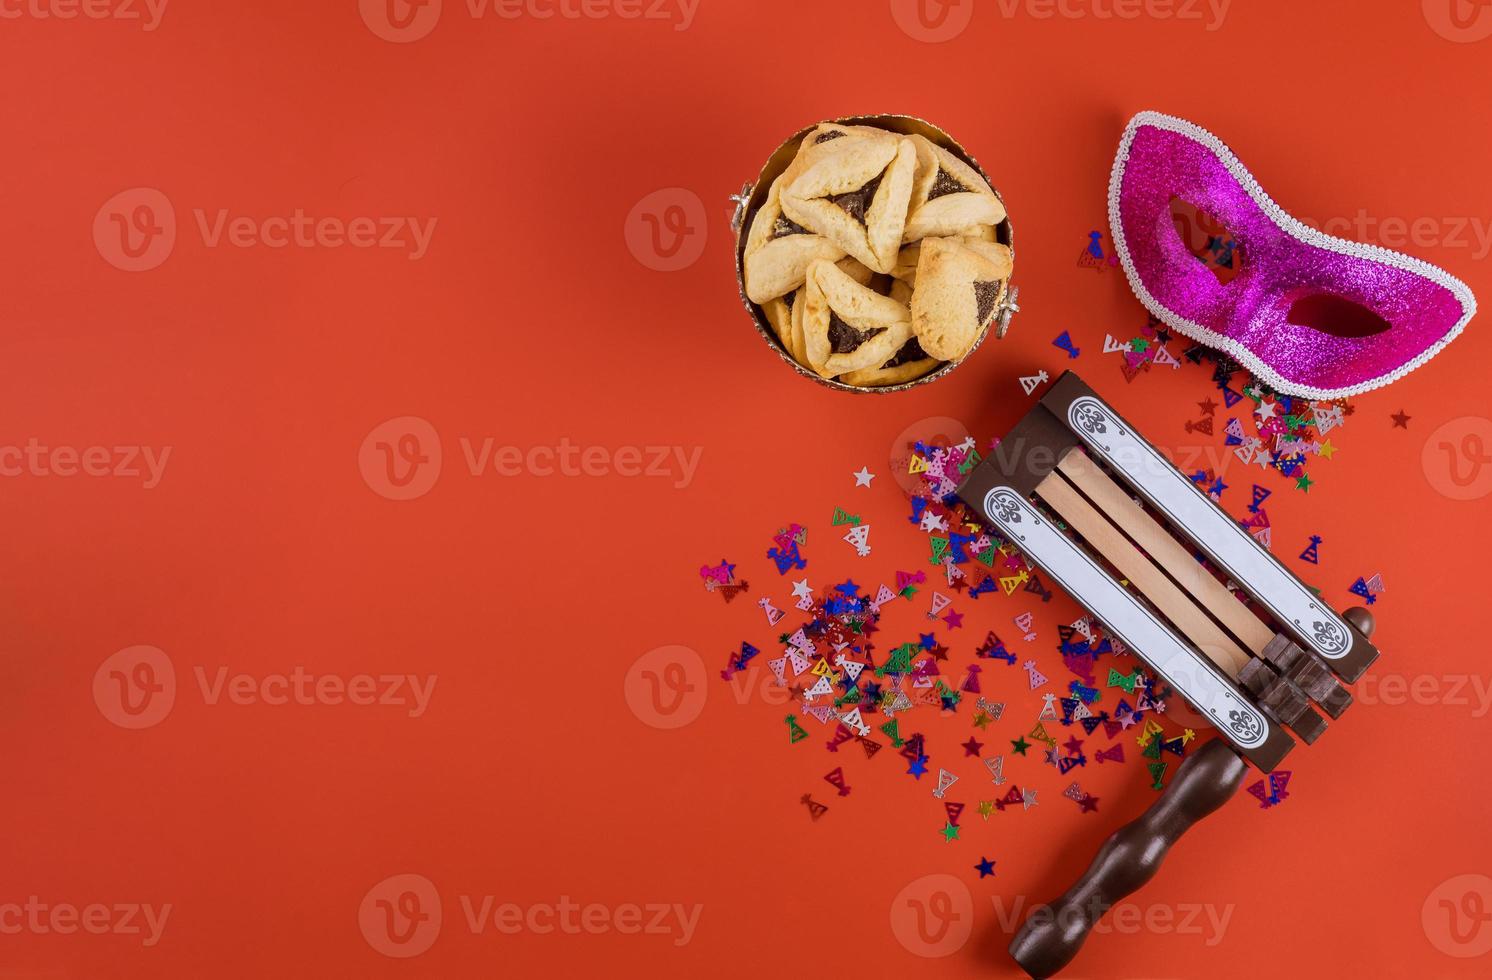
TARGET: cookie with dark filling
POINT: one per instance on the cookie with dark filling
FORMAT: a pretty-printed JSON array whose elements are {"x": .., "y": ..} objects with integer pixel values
[
  {"x": 848, "y": 326},
  {"x": 948, "y": 196},
  {"x": 778, "y": 249},
  {"x": 910, "y": 362},
  {"x": 959, "y": 286},
  {"x": 785, "y": 314},
  {"x": 855, "y": 193}
]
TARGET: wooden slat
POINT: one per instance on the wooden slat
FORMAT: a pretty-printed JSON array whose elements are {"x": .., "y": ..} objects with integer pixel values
[
  {"x": 1166, "y": 550},
  {"x": 1104, "y": 538}
]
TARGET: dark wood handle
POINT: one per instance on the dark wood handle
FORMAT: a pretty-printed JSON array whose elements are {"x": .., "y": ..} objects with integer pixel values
[{"x": 1054, "y": 933}]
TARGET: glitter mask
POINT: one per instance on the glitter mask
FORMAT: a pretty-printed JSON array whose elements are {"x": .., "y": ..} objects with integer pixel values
[{"x": 1309, "y": 314}]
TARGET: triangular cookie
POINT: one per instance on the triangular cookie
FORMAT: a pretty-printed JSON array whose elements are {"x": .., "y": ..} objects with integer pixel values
[
  {"x": 785, "y": 313},
  {"x": 948, "y": 196},
  {"x": 855, "y": 194},
  {"x": 778, "y": 250},
  {"x": 906, "y": 364},
  {"x": 959, "y": 288},
  {"x": 847, "y": 326}
]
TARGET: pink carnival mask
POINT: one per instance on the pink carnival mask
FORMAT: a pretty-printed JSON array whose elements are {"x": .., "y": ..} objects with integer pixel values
[{"x": 1309, "y": 314}]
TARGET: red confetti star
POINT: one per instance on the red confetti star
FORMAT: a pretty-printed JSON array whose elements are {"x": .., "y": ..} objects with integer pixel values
[
  {"x": 972, "y": 747},
  {"x": 955, "y": 620},
  {"x": 1401, "y": 421}
]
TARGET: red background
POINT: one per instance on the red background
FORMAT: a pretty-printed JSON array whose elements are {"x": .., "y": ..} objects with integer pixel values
[{"x": 529, "y": 597}]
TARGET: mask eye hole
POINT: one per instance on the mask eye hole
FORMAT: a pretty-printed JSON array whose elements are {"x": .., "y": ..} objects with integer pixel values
[
  {"x": 1335, "y": 316},
  {"x": 1208, "y": 240}
]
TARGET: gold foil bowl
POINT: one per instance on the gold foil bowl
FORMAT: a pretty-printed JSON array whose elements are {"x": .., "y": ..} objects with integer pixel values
[{"x": 754, "y": 194}]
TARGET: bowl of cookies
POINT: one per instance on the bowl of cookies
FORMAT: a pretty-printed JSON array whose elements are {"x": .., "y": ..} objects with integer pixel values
[{"x": 874, "y": 254}]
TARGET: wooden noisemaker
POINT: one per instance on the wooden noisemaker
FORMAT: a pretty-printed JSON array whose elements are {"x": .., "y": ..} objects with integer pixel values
[{"x": 1132, "y": 565}]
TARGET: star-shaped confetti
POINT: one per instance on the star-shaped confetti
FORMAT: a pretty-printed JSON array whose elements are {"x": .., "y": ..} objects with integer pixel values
[
  {"x": 972, "y": 747},
  {"x": 1401, "y": 421},
  {"x": 1021, "y": 745},
  {"x": 985, "y": 867},
  {"x": 950, "y": 832},
  {"x": 863, "y": 477}
]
